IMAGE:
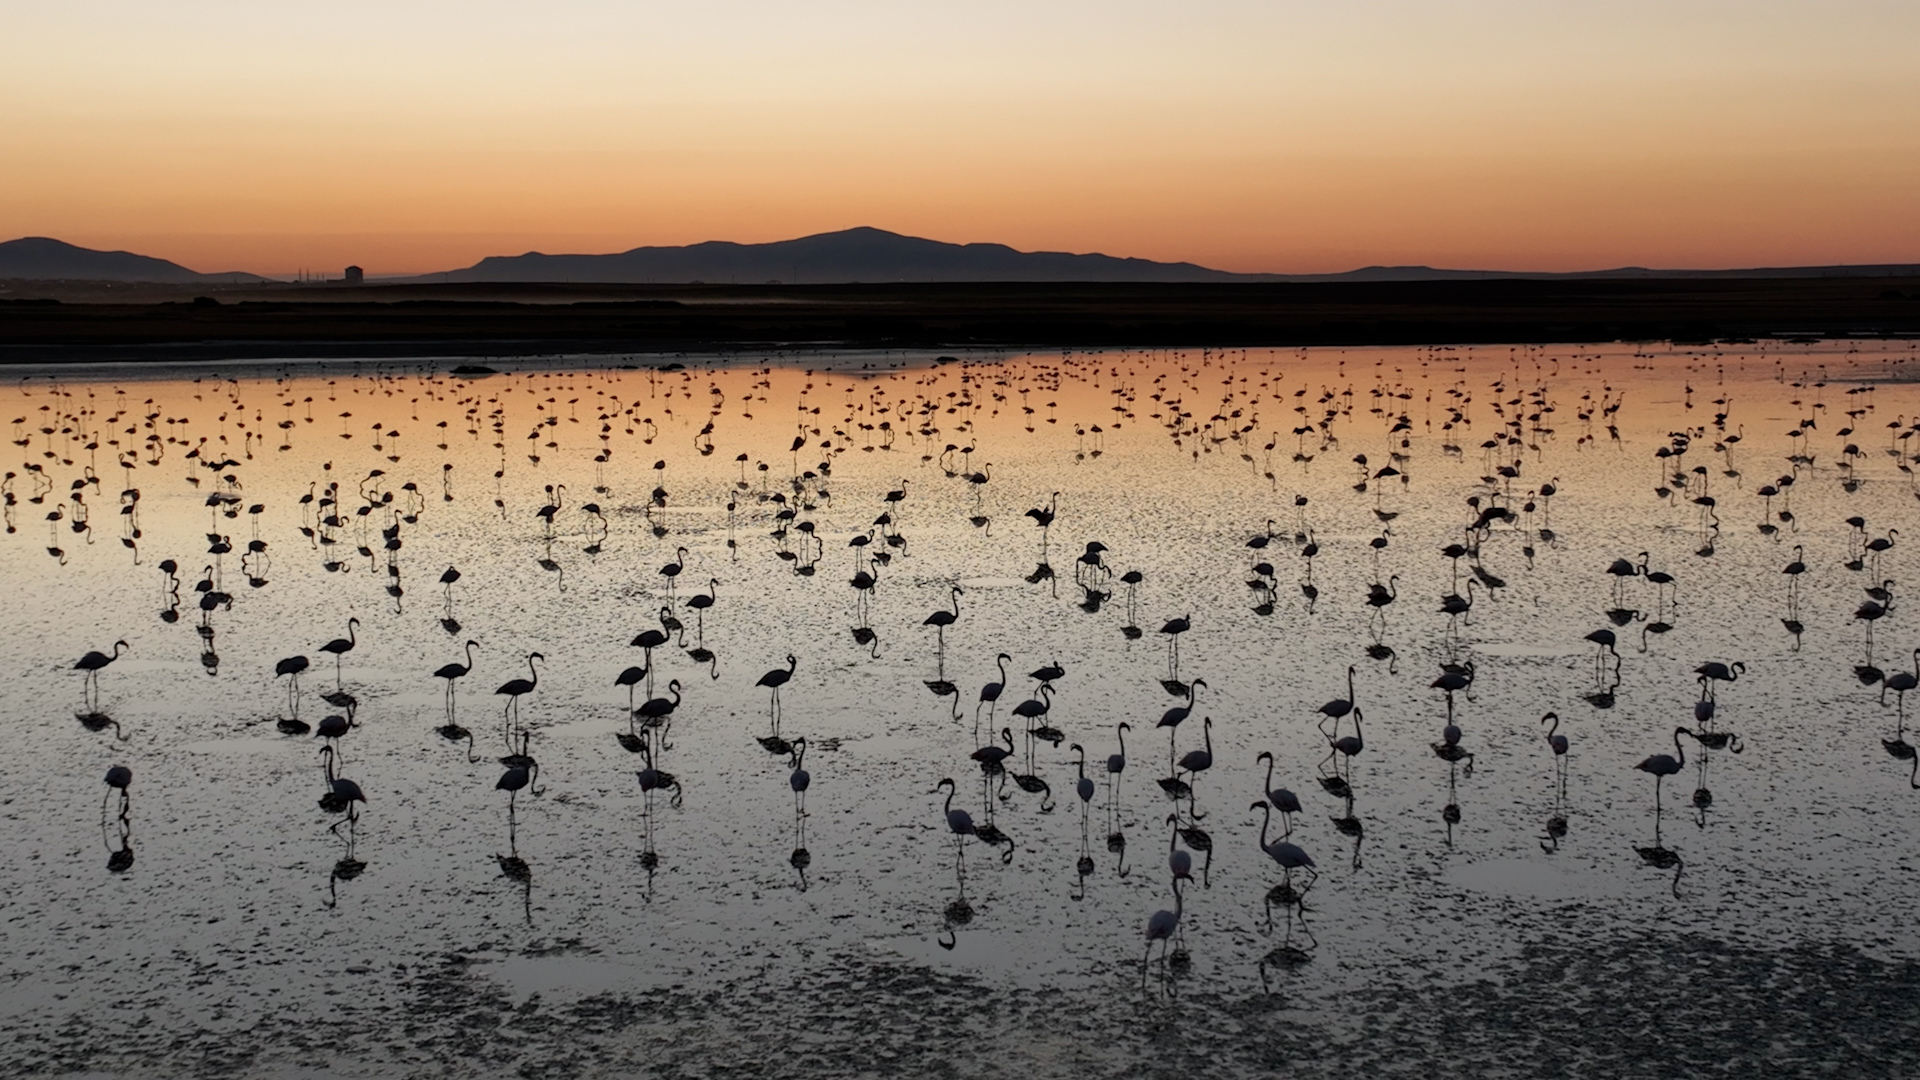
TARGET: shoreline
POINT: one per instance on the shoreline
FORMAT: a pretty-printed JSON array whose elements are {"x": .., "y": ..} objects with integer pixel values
[
  {"x": 843, "y": 361},
  {"x": 647, "y": 323}
]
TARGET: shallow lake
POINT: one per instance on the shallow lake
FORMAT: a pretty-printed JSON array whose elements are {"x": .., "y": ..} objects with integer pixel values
[{"x": 1476, "y": 902}]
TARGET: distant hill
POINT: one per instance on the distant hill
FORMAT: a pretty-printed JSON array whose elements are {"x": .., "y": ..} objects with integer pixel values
[
  {"x": 44, "y": 259},
  {"x": 852, "y": 255},
  {"x": 870, "y": 255},
  {"x": 862, "y": 255}
]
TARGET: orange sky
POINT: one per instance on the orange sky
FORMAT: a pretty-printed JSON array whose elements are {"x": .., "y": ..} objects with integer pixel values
[{"x": 1247, "y": 135}]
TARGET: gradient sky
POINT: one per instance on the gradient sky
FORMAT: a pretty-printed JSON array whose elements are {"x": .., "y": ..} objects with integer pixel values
[{"x": 1243, "y": 134}]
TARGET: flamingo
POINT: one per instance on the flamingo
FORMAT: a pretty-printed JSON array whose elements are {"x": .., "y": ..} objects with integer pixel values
[
  {"x": 1117, "y": 763},
  {"x": 1452, "y": 682},
  {"x": 1173, "y": 628},
  {"x": 1172, "y": 718},
  {"x": 1044, "y": 518},
  {"x": 454, "y": 672},
  {"x": 1047, "y": 674},
  {"x": 513, "y": 688},
  {"x": 774, "y": 680},
  {"x": 1715, "y": 671},
  {"x": 1339, "y": 707},
  {"x": 700, "y": 602},
  {"x": 1180, "y": 862},
  {"x": 671, "y": 571},
  {"x": 1288, "y": 855},
  {"x": 649, "y": 640},
  {"x": 292, "y": 666},
  {"x": 864, "y": 581},
  {"x": 960, "y": 824},
  {"x": 1621, "y": 570},
  {"x": 1665, "y": 765},
  {"x": 1794, "y": 569},
  {"x": 118, "y": 777},
  {"x": 799, "y": 780},
  {"x": 1900, "y": 682},
  {"x": 341, "y": 794},
  {"x": 514, "y": 779},
  {"x": 1283, "y": 800},
  {"x": 1606, "y": 642},
  {"x": 656, "y": 710},
  {"x": 332, "y": 727},
  {"x": 1347, "y": 745},
  {"x": 1084, "y": 786},
  {"x": 339, "y": 647},
  {"x": 1199, "y": 761},
  {"x": 92, "y": 663},
  {"x": 990, "y": 756},
  {"x": 1555, "y": 740},
  {"x": 990, "y": 693},
  {"x": 1456, "y": 604},
  {"x": 1035, "y": 707},
  {"x": 943, "y": 618},
  {"x": 1661, "y": 579},
  {"x": 546, "y": 513},
  {"x": 1161, "y": 926},
  {"x": 652, "y": 779},
  {"x": 630, "y": 678}
]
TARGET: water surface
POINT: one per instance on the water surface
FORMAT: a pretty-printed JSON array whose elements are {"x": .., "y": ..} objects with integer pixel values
[{"x": 227, "y": 924}]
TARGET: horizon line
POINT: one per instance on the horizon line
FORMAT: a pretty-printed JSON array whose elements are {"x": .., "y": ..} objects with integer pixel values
[{"x": 293, "y": 275}]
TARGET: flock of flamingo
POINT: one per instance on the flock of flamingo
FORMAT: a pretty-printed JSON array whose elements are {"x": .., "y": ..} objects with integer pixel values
[{"x": 927, "y": 423}]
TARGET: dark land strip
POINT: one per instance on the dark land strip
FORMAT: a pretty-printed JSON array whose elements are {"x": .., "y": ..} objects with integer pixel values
[{"x": 63, "y": 322}]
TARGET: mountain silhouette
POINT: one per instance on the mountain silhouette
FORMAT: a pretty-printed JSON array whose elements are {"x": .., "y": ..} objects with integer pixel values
[
  {"x": 45, "y": 259},
  {"x": 873, "y": 256},
  {"x": 852, "y": 255},
  {"x": 862, "y": 255}
]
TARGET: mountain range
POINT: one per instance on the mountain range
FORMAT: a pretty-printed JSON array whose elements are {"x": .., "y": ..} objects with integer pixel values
[
  {"x": 46, "y": 259},
  {"x": 851, "y": 255},
  {"x": 866, "y": 255}
]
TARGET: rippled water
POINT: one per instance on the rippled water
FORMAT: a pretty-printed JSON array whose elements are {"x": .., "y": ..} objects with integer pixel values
[{"x": 1463, "y": 920}]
